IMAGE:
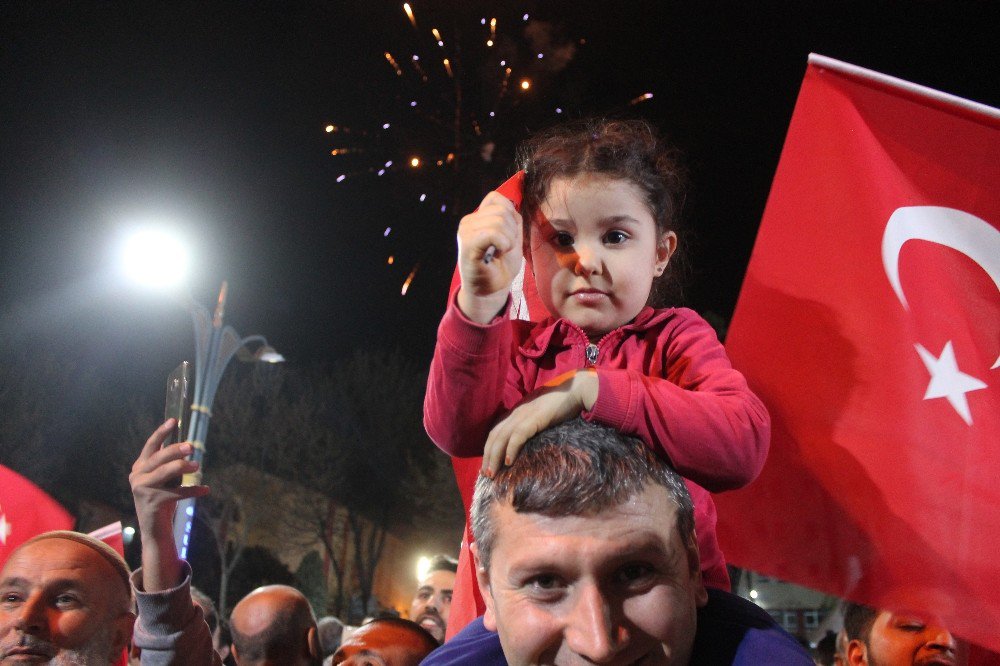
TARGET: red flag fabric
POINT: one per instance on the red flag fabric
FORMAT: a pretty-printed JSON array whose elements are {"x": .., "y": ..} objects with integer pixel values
[
  {"x": 112, "y": 535},
  {"x": 467, "y": 603},
  {"x": 25, "y": 510},
  {"x": 868, "y": 323}
]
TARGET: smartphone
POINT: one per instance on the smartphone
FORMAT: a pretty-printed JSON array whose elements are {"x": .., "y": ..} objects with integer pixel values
[{"x": 178, "y": 401}]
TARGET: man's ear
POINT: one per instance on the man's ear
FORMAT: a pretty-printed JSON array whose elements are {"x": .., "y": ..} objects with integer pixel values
[
  {"x": 857, "y": 653},
  {"x": 483, "y": 578},
  {"x": 694, "y": 571},
  {"x": 121, "y": 634},
  {"x": 233, "y": 651},
  {"x": 312, "y": 638}
]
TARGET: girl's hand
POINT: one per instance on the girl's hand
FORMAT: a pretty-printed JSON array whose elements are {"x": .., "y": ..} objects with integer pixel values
[
  {"x": 485, "y": 285},
  {"x": 558, "y": 400}
]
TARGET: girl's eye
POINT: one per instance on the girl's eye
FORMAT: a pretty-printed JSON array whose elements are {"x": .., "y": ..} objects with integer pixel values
[
  {"x": 615, "y": 237},
  {"x": 562, "y": 239}
]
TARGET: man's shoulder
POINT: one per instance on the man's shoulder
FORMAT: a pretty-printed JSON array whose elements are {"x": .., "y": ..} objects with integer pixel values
[
  {"x": 475, "y": 644},
  {"x": 731, "y": 630}
]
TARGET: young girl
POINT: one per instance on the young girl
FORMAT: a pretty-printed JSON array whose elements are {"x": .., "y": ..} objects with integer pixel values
[{"x": 600, "y": 200}]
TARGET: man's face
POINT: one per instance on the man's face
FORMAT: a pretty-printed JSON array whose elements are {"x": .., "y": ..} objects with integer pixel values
[
  {"x": 618, "y": 587},
  {"x": 381, "y": 644},
  {"x": 432, "y": 603},
  {"x": 904, "y": 640},
  {"x": 61, "y": 603}
]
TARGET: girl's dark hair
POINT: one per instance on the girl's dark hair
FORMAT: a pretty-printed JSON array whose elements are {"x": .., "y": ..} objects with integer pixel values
[{"x": 631, "y": 150}]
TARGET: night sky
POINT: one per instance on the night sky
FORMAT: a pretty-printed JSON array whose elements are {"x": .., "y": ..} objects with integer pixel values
[{"x": 210, "y": 117}]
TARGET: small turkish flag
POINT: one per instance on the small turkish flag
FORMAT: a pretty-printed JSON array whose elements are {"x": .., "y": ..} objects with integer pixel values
[
  {"x": 112, "y": 535},
  {"x": 467, "y": 602},
  {"x": 868, "y": 323},
  {"x": 25, "y": 511}
]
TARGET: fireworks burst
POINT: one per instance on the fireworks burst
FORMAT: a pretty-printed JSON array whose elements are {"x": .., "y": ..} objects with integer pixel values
[{"x": 467, "y": 89}]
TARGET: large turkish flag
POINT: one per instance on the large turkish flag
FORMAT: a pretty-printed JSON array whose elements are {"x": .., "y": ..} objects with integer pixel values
[
  {"x": 869, "y": 322},
  {"x": 25, "y": 510}
]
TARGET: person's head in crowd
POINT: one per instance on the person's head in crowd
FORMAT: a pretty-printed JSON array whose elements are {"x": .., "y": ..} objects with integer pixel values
[
  {"x": 826, "y": 647},
  {"x": 432, "y": 602},
  {"x": 65, "y": 599},
  {"x": 274, "y": 624},
  {"x": 208, "y": 609},
  {"x": 330, "y": 631},
  {"x": 388, "y": 641},
  {"x": 883, "y": 638},
  {"x": 225, "y": 648},
  {"x": 585, "y": 551}
]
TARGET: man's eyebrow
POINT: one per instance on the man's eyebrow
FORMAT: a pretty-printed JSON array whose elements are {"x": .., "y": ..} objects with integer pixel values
[
  {"x": 14, "y": 582},
  {"x": 424, "y": 588}
]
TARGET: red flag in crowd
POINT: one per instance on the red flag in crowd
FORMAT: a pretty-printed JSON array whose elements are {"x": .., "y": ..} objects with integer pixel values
[
  {"x": 467, "y": 603},
  {"x": 112, "y": 535},
  {"x": 868, "y": 322},
  {"x": 26, "y": 511}
]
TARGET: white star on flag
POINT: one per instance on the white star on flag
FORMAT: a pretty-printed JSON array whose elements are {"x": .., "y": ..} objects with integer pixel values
[
  {"x": 947, "y": 381},
  {"x": 5, "y": 528}
]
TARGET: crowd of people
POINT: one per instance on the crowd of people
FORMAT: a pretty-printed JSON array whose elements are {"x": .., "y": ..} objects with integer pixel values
[
  {"x": 596, "y": 436},
  {"x": 585, "y": 549}
]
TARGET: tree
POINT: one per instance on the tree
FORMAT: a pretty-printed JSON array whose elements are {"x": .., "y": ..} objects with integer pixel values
[{"x": 372, "y": 458}]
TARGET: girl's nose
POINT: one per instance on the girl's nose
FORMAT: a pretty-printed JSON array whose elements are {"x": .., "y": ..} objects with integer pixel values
[{"x": 588, "y": 259}]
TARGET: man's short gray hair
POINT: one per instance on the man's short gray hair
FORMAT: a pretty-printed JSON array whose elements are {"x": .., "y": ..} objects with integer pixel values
[{"x": 576, "y": 469}]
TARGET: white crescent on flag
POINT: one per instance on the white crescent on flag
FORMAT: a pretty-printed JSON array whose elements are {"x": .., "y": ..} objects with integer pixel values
[
  {"x": 965, "y": 233},
  {"x": 961, "y": 231}
]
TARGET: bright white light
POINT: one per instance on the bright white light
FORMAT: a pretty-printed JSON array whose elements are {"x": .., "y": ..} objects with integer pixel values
[
  {"x": 385, "y": 126},
  {"x": 341, "y": 178},
  {"x": 423, "y": 567},
  {"x": 129, "y": 531},
  {"x": 753, "y": 594},
  {"x": 155, "y": 258},
  {"x": 423, "y": 197}
]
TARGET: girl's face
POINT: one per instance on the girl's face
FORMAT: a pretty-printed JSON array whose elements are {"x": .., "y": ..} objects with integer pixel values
[{"x": 596, "y": 251}]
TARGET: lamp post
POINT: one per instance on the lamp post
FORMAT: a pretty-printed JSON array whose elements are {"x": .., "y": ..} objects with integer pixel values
[{"x": 215, "y": 346}]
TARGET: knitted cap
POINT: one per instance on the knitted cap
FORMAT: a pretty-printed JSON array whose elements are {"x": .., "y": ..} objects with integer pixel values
[{"x": 104, "y": 550}]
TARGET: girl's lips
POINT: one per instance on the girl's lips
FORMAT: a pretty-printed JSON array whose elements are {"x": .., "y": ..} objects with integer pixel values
[{"x": 588, "y": 296}]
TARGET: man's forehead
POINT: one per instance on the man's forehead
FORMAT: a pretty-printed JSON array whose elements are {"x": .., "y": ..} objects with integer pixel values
[
  {"x": 56, "y": 559},
  {"x": 646, "y": 521},
  {"x": 438, "y": 579}
]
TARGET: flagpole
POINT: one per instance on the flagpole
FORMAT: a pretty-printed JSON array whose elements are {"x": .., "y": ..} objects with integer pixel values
[
  {"x": 215, "y": 346},
  {"x": 914, "y": 89}
]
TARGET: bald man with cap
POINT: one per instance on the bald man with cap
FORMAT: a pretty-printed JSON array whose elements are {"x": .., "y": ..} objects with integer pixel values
[
  {"x": 274, "y": 625},
  {"x": 64, "y": 599}
]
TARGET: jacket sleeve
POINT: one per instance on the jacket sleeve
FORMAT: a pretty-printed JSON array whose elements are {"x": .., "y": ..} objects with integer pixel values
[
  {"x": 470, "y": 377},
  {"x": 700, "y": 414},
  {"x": 169, "y": 628}
]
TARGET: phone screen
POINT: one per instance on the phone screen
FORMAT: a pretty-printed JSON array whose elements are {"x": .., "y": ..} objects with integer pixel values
[{"x": 178, "y": 400}]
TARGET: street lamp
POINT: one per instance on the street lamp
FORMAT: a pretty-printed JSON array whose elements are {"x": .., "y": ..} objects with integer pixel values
[{"x": 215, "y": 346}]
